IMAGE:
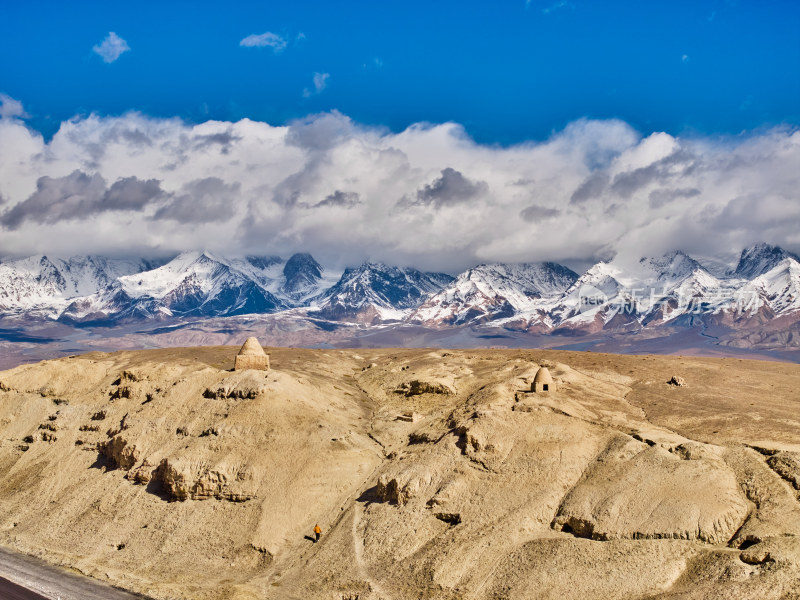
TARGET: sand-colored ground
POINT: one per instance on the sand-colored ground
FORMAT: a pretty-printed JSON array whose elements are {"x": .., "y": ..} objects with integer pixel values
[{"x": 433, "y": 474}]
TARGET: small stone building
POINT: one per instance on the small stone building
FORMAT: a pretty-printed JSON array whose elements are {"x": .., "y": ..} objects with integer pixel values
[
  {"x": 251, "y": 356},
  {"x": 543, "y": 381}
]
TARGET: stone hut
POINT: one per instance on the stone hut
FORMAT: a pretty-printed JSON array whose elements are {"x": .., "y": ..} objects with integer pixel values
[
  {"x": 251, "y": 356},
  {"x": 543, "y": 382}
]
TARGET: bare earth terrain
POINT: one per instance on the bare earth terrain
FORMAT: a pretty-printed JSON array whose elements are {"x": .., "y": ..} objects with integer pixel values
[{"x": 432, "y": 473}]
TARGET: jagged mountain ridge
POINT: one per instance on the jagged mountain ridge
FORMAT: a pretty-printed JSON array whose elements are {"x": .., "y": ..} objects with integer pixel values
[
  {"x": 656, "y": 288},
  {"x": 46, "y": 286},
  {"x": 197, "y": 284},
  {"x": 759, "y": 259},
  {"x": 541, "y": 297},
  {"x": 496, "y": 291},
  {"x": 302, "y": 276},
  {"x": 375, "y": 291}
]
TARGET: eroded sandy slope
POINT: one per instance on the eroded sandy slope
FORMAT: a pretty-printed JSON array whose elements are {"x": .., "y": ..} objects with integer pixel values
[{"x": 433, "y": 474}]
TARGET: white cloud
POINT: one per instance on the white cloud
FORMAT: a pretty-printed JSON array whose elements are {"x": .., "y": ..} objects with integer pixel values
[
  {"x": 320, "y": 83},
  {"x": 428, "y": 196},
  {"x": 264, "y": 40},
  {"x": 685, "y": 58},
  {"x": 11, "y": 108},
  {"x": 111, "y": 48},
  {"x": 556, "y": 6}
]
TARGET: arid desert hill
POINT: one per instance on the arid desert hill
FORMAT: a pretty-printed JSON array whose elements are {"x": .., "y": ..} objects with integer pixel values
[{"x": 432, "y": 473}]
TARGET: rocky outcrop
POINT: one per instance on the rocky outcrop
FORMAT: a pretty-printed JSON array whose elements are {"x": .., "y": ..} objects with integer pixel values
[
  {"x": 132, "y": 376},
  {"x": 141, "y": 474},
  {"x": 119, "y": 453},
  {"x": 777, "y": 511},
  {"x": 404, "y": 485},
  {"x": 243, "y": 385},
  {"x": 123, "y": 391},
  {"x": 417, "y": 387},
  {"x": 449, "y": 518},
  {"x": 181, "y": 479},
  {"x": 654, "y": 495},
  {"x": 787, "y": 465},
  {"x": 486, "y": 439},
  {"x": 677, "y": 381}
]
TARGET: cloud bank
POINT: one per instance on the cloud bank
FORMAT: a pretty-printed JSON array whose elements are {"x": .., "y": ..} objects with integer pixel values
[{"x": 427, "y": 196}]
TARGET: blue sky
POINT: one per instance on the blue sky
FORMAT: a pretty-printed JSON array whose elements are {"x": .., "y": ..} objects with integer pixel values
[
  {"x": 437, "y": 134},
  {"x": 507, "y": 71}
]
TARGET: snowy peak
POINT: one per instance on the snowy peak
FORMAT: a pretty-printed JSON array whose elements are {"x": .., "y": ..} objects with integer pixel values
[
  {"x": 495, "y": 291},
  {"x": 779, "y": 287},
  {"x": 590, "y": 294},
  {"x": 378, "y": 290},
  {"x": 203, "y": 284},
  {"x": 534, "y": 280},
  {"x": 671, "y": 266},
  {"x": 263, "y": 263},
  {"x": 760, "y": 258},
  {"x": 611, "y": 292},
  {"x": 40, "y": 283},
  {"x": 187, "y": 270},
  {"x": 302, "y": 275},
  {"x": 676, "y": 273},
  {"x": 601, "y": 276}
]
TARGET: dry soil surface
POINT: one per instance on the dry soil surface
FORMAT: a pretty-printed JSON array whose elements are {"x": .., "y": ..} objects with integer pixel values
[{"x": 432, "y": 473}]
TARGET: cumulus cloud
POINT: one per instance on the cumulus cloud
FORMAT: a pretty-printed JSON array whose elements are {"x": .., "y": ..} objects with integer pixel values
[
  {"x": 77, "y": 196},
  {"x": 662, "y": 196},
  {"x": 592, "y": 187},
  {"x": 337, "y": 198},
  {"x": 670, "y": 168},
  {"x": 320, "y": 81},
  {"x": 200, "y": 201},
  {"x": 264, "y": 40},
  {"x": 537, "y": 212},
  {"x": 320, "y": 132},
  {"x": 450, "y": 188},
  {"x": 111, "y": 48},
  {"x": 428, "y": 196},
  {"x": 10, "y": 108}
]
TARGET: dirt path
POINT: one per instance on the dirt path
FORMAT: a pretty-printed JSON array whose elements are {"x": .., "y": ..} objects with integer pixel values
[
  {"x": 298, "y": 553},
  {"x": 28, "y": 578}
]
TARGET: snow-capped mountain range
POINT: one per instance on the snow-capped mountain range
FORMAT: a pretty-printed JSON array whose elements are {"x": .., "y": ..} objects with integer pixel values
[
  {"x": 537, "y": 297},
  {"x": 496, "y": 292}
]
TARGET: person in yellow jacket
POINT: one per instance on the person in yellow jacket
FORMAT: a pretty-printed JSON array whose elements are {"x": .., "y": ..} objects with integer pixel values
[{"x": 317, "y": 532}]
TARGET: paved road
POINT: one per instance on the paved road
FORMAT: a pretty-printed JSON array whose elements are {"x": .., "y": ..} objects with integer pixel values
[
  {"x": 12, "y": 591},
  {"x": 27, "y": 578}
]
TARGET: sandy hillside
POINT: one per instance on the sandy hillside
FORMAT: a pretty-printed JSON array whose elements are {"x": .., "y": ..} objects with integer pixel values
[{"x": 433, "y": 474}]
